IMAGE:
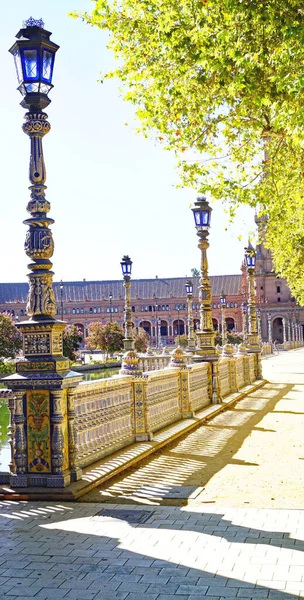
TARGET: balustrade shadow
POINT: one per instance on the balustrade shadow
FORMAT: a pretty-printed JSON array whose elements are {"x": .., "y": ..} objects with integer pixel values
[
  {"x": 200, "y": 454},
  {"x": 152, "y": 553}
]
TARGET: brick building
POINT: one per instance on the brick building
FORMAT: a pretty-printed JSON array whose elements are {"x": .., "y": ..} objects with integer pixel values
[{"x": 84, "y": 302}]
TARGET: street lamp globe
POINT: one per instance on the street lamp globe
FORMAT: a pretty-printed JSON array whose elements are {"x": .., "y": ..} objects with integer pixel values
[
  {"x": 223, "y": 299},
  {"x": 250, "y": 257},
  {"x": 126, "y": 266},
  {"x": 189, "y": 287},
  {"x": 202, "y": 214},
  {"x": 34, "y": 56}
]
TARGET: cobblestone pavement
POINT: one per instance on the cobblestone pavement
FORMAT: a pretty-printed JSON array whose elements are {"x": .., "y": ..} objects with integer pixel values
[
  {"x": 94, "y": 551},
  {"x": 151, "y": 553}
]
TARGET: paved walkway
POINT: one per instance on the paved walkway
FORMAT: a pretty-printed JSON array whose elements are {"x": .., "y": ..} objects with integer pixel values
[{"x": 146, "y": 551}]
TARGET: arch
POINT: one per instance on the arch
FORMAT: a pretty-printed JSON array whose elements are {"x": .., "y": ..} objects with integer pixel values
[
  {"x": 164, "y": 328},
  {"x": 178, "y": 327},
  {"x": 277, "y": 329},
  {"x": 146, "y": 325},
  {"x": 230, "y": 323},
  {"x": 215, "y": 324}
]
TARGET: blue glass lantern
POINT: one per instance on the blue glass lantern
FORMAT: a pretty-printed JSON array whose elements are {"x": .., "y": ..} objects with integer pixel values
[
  {"x": 244, "y": 306},
  {"x": 202, "y": 213},
  {"x": 223, "y": 300},
  {"x": 250, "y": 257},
  {"x": 258, "y": 313},
  {"x": 126, "y": 266},
  {"x": 189, "y": 287},
  {"x": 34, "y": 56}
]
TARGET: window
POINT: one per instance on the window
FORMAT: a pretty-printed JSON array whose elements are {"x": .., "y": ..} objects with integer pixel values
[
  {"x": 77, "y": 311},
  {"x": 167, "y": 306},
  {"x": 279, "y": 299},
  {"x": 73, "y": 311},
  {"x": 108, "y": 310},
  {"x": 91, "y": 311},
  {"x": 94, "y": 310},
  {"x": 133, "y": 308},
  {"x": 116, "y": 309},
  {"x": 163, "y": 307},
  {"x": 21, "y": 312},
  {"x": 81, "y": 311},
  {"x": 278, "y": 289},
  {"x": 150, "y": 308},
  {"x": 99, "y": 309}
]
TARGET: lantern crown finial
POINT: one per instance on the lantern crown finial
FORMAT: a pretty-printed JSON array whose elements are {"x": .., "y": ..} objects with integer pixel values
[{"x": 31, "y": 22}]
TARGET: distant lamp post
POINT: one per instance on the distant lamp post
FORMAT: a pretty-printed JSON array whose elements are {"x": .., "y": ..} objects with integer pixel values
[
  {"x": 156, "y": 324},
  {"x": 259, "y": 326},
  {"x": 178, "y": 326},
  {"x": 284, "y": 332},
  {"x": 206, "y": 336},
  {"x": 253, "y": 343},
  {"x": 159, "y": 332},
  {"x": 189, "y": 292},
  {"x": 126, "y": 267},
  {"x": 269, "y": 328},
  {"x": 110, "y": 299},
  {"x": 223, "y": 311},
  {"x": 130, "y": 363},
  {"x": 244, "y": 317},
  {"x": 61, "y": 299}
]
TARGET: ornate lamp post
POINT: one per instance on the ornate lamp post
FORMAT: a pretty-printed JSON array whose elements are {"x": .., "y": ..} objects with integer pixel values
[
  {"x": 44, "y": 403},
  {"x": 159, "y": 332},
  {"x": 269, "y": 328},
  {"x": 130, "y": 360},
  {"x": 61, "y": 299},
  {"x": 189, "y": 292},
  {"x": 253, "y": 344},
  {"x": 244, "y": 316},
  {"x": 126, "y": 267},
  {"x": 205, "y": 335},
  {"x": 178, "y": 329},
  {"x": 110, "y": 299},
  {"x": 284, "y": 332},
  {"x": 259, "y": 326},
  {"x": 223, "y": 310}
]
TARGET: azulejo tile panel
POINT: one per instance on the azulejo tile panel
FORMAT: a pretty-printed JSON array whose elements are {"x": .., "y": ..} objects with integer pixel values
[{"x": 38, "y": 431}]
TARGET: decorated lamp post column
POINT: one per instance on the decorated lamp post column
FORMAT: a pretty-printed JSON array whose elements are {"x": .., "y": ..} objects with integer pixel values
[
  {"x": 206, "y": 348},
  {"x": 223, "y": 311},
  {"x": 41, "y": 442},
  {"x": 269, "y": 328},
  {"x": 253, "y": 344},
  {"x": 284, "y": 332},
  {"x": 159, "y": 333},
  {"x": 189, "y": 292},
  {"x": 126, "y": 267},
  {"x": 130, "y": 360},
  {"x": 259, "y": 326},
  {"x": 289, "y": 329},
  {"x": 61, "y": 299},
  {"x": 244, "y": 317}
]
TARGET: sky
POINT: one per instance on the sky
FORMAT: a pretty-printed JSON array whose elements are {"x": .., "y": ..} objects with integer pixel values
[{"x": 112, "y": 192}]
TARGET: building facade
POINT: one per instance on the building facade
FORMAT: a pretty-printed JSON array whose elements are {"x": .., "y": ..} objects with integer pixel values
[{"x": 160, "y": 305}]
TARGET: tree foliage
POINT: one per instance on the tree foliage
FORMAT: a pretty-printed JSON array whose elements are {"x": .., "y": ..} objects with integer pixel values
[
  {"x": 141, "y": 339},
  {"x": 107, "y": 337},
  {"x": 181, "y": 340},
  {"x": 72, "y": 338},
  {"x": 220, "y": 82},
  {"x": 10, "y": 338}
]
